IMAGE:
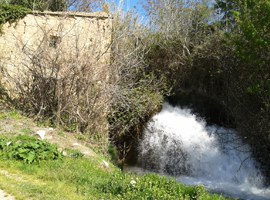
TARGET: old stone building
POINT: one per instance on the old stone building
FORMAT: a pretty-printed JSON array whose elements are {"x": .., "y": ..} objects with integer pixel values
[
  {"x": 67, "y": 33},
  {"x": 63, "y": 53}
]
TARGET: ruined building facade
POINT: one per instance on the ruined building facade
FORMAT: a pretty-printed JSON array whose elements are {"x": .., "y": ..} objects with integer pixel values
[{"x": 67, "y": 48}]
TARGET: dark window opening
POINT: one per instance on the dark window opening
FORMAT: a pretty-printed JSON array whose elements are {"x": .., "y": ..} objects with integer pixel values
[{"x": 54, "y": 41}]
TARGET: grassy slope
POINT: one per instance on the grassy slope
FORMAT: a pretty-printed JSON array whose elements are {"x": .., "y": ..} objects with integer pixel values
[{"x": 85, "y": 178}]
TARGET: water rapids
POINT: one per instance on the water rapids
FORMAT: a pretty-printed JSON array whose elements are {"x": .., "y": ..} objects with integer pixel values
[{"x": 178, "y": 143}]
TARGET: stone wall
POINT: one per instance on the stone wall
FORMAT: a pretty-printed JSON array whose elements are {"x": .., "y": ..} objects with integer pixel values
[
  {"x": 70, "y": 32},
  {"x": 55, "y": 45}
]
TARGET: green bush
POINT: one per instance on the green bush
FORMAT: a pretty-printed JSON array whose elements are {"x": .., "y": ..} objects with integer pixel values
[
  {"x": 11, "y": 13},
  {"x": 27, "y": 149},
  {"x": 112, "y": 151}
]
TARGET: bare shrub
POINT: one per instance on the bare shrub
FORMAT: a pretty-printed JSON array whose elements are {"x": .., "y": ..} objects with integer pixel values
[
  {"x": 64, "y": 81},
  {"x": 136, "y": 93},
  {"x": 179, "y": 29}
]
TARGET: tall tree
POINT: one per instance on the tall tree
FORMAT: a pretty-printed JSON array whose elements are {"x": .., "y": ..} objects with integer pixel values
[
  {"x": 250, "y": 20},
  {"x": 226, "y": 10},
  {"x": 248, "y": 30}
]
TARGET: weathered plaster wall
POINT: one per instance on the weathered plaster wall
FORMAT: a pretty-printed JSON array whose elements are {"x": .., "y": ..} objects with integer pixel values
[
  {"x": 68, "y": 40},
  {"x": 70, "y": 32}
]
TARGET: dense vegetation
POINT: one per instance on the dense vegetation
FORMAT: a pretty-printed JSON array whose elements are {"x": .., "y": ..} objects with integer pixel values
[
  {"x": 27, "y": 149},
  {"x": 11, "y": 13},
  {"x": 248, "y": 91},
  {"x": 221, "y": 55},
  {"x": 194, "y": 48}
]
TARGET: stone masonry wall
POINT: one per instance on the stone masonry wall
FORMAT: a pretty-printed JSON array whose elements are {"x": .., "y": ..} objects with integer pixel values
[
  {"x": 77, "y": 40},
  {"x": 72, "y": 32}
]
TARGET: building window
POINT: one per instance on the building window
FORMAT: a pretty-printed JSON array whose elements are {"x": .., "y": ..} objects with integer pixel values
[{"x": 54, "y": 41}]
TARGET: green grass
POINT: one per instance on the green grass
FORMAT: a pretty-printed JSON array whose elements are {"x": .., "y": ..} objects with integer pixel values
[
  {"x": 25, "y": 131},
  {"x": 82, "y": 178},
  {"x": 14, "y": 115},
  {"x": 77, "y": 177}
]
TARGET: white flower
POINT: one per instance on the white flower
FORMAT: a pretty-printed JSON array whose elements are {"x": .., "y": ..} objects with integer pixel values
[
  {"x": 8, "y": 143},
  {"x": 133, "y": 182}
]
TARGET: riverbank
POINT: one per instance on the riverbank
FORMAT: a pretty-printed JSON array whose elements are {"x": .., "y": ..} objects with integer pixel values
[{"x": 80, "y": 173}]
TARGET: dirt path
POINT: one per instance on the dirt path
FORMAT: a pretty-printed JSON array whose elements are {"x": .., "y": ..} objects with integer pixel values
[{"x": 5, "y": 196}]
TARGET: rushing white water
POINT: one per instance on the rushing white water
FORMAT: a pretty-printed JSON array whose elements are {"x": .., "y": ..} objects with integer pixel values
[{"x": 177, "y": 143}]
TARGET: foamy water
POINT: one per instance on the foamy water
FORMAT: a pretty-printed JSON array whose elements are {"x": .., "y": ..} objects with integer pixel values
[{"x": 177, "y": 143}]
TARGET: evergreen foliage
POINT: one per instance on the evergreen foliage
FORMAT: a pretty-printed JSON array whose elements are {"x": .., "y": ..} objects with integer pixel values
[
  {"x": 11, "y": 13},
  {"x": 249, "y": 87}
]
